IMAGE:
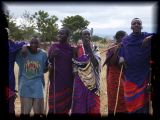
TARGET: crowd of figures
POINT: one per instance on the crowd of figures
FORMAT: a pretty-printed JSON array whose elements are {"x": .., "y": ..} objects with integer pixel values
[{"x": 74, "y": 74}]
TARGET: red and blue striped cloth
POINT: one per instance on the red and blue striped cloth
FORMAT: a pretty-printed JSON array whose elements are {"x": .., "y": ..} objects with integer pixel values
[
  {"x": 137, "y": 70},
  {"x": 61, "y": 80}
]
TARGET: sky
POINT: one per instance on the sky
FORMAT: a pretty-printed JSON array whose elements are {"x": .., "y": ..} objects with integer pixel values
[{"x": 106, "y": 18}]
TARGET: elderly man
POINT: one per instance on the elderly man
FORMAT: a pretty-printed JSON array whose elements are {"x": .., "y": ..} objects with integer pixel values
[{"x": 86, "y": 98}]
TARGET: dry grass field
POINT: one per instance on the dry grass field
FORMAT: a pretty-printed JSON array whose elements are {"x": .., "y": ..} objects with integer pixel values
[{"x": 103, "y": 94}]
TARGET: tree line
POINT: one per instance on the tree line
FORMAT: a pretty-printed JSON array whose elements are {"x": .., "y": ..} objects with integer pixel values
[{"x": 43, "y": 25}]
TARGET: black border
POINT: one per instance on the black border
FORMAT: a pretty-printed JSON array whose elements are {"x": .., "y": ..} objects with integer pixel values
[{"x": 155, "y": 57}]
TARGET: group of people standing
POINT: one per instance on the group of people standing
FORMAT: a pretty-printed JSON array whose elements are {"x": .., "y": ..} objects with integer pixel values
[
  {"x": 66, "y": 76},
  {"x": 74, "y": 74}
]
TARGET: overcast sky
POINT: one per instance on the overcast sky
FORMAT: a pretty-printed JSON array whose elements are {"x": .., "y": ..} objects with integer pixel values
[{"x": 105, "y": 17}]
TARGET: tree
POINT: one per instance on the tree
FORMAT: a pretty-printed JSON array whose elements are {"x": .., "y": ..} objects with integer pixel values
[
  {"x": 75, "y": 24},
  {"x": 46, "y": 25},
  {"x": 96, "y": 38},
  {"x": 28, "y": 26},
  {"x": 15, "y": 32}
]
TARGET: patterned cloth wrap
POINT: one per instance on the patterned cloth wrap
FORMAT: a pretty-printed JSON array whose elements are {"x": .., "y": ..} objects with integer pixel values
[{"x": 87, "y": 73}]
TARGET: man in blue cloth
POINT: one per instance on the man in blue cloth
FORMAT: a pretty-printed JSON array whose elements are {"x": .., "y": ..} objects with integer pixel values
[{"x": 136, "y": 57}]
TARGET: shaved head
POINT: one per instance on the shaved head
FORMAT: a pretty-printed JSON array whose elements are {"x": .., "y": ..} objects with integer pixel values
[
  {"x": 136, "y": 19},
  {"x": 136, "y": 25}
]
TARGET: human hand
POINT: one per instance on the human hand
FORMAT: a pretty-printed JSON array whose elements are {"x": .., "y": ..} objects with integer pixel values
[
  {"x": 24, "y": 50},
  {"x": 146, "y": 41},
  {"x": 54, "y": 52},
  {"x": 86, "y": 41},
  {"x": 50, "y": 68},
  {"x": 149, "y": 87},
  {"x": 121, "y": 61}
]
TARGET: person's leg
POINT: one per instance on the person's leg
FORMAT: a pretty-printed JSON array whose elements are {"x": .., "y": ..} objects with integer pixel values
[
  {"x": 93, "y": 104},
  {"x": 79, "y": 99},
  {"x": 38, "y": 106},
  {"x": 26, "y": 105}
]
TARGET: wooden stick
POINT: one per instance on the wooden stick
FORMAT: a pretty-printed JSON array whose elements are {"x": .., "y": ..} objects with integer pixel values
[
  {"x": 47, "y": 93},
  {"x": 108, "y": 49},
  {"x": 118, "y": 90},
  {"x": 46, "y": 101}
]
